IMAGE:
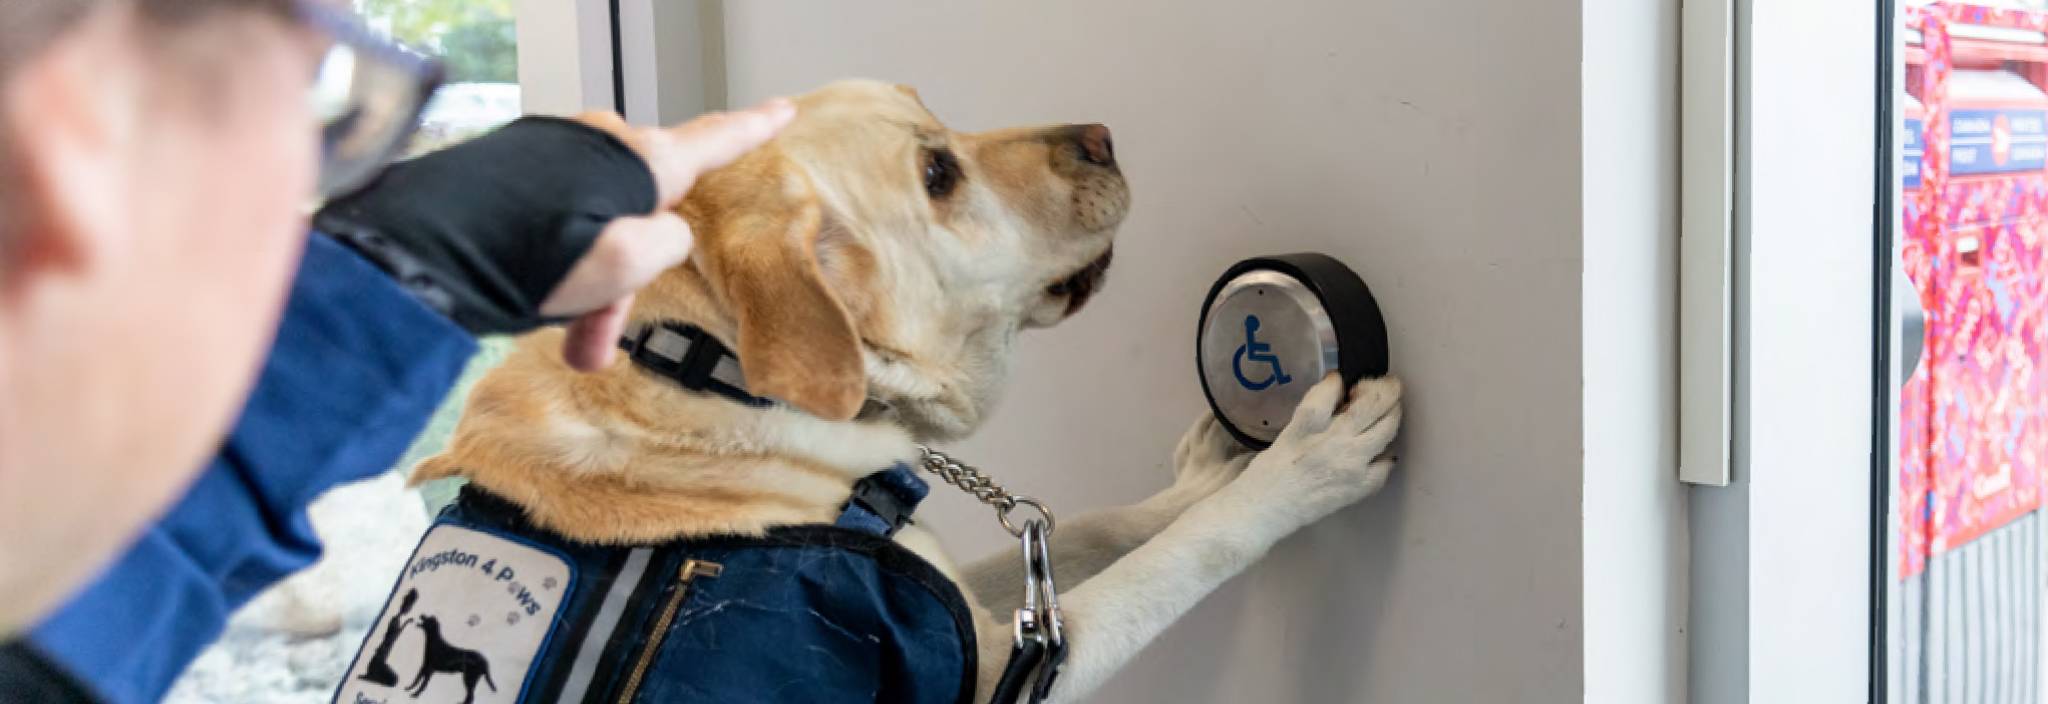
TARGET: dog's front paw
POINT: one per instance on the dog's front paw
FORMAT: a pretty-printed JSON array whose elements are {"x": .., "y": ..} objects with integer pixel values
[
  {"x": 1325, "y": 460},
  {"x": 1207, "y": 459}
]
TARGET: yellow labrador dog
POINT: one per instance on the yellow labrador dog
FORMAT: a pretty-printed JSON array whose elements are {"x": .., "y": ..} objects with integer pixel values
[{"x": 871, "y": 269}]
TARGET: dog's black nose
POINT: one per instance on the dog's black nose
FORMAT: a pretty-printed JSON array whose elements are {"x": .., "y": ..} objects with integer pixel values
[{"x": 1095, "y": 145}]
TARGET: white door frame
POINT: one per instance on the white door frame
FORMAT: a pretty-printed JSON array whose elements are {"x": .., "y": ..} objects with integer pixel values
[
  {"x": 565, "y": 56},
  {"x": 1781, "y": 556},
  {"x": 654, "y": 61},
  {"x": 673, "y": 56}
]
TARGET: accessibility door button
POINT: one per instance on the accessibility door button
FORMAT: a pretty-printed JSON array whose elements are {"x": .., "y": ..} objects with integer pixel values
[{"x": 1272, "y": 327}]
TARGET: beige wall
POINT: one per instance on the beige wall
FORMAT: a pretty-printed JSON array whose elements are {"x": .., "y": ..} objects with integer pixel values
[{"x": 1436, "y": 147}]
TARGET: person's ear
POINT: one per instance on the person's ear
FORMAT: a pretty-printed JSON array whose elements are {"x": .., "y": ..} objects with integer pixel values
[{"x": 69, "y": 124}]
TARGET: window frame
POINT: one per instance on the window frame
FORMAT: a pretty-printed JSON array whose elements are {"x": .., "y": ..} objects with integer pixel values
[
  {"x": 1888, "y": 71},
  {"x": 567, "y": 57}
]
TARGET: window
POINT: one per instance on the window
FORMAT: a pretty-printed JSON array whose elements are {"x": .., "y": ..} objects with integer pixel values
[
  {"x": 479, "y": 42},
  {"x": 1969, "y": 380}
]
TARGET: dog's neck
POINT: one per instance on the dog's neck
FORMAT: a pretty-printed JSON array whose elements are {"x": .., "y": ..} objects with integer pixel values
[
  {"x": 628, "y": 455},
  {"x": 854, "y": 449}
]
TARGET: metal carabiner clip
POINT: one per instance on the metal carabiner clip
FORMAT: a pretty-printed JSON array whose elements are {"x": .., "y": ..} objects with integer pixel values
[
  {"x": 1034, "y": 608},
  {"x": 1038, "y": 568},
  {"x": 1029, "y": 642}
]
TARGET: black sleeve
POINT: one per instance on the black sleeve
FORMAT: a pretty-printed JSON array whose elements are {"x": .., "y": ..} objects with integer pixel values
[
  {"x": 26, "y": 677},
  {"x": 485, "y": 230}
]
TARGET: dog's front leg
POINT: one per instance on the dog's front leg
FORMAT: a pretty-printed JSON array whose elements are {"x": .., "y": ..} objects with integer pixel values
[
  {"x": 1206, "y": 459},
  {"x": 1320, "y": 463}
]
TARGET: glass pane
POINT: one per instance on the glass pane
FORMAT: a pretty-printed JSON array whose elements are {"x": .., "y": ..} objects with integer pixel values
[
  {"x": 478, "y": 40},
  {"x": 1969, "y": 441}
]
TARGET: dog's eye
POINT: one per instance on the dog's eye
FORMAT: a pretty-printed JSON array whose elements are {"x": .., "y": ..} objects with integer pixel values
[{"x": 941, "y": 172}]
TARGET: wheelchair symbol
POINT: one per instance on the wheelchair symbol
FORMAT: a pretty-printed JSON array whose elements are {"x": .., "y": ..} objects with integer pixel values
[{"x": 1256, "y": 351}]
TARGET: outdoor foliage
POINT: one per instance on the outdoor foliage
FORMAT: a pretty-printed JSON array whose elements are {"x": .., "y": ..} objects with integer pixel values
[{"x": 476, "y": 37}]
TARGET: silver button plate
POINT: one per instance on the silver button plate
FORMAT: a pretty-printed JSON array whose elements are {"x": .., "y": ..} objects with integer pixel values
[{"x": 1266, "y": 339}]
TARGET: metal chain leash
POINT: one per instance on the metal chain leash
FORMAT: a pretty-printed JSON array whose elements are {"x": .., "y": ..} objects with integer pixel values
[
  {"x": 984, "y": 489},
  {"x": 1040, "y": 643}
]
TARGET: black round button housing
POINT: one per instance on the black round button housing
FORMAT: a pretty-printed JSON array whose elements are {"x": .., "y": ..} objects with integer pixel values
[{"x": 1272, "y": 327}]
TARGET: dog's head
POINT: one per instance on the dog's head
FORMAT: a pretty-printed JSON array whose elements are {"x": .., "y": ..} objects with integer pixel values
[{"x": 870, "y": 255}]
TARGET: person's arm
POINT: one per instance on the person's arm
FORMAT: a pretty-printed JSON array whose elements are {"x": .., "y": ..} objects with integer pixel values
[
  {"x": 357, "y": 368},
  {"x": 541, "y": 221}
]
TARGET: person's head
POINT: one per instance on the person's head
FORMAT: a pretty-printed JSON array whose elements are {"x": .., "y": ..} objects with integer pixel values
[{"x": 156, "y": 160}]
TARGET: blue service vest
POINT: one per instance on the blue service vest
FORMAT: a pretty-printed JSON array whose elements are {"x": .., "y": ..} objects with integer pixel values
[{"x": 815, "y": 613}]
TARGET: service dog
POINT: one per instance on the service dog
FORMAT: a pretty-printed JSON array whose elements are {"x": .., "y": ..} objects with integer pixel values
[{"x": 856, "y": 289}]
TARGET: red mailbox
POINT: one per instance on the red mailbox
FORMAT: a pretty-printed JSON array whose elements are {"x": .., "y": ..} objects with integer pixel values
[{"x": 1974, "y": 414}]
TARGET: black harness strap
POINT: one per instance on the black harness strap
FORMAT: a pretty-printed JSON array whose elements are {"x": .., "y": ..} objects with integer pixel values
[
  {"x": 1055, "y": 656},
  {"x": 1024, "y": 658}
]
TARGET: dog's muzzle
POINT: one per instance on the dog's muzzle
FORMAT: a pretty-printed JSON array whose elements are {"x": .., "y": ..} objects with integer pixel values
[{"x": 1082, "y": 285}]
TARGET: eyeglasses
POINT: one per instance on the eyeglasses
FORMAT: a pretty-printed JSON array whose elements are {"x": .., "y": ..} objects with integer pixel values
[{"x": 368, "y": 97}]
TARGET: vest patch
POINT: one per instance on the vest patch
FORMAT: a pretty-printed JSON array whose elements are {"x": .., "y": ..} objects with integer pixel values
[{"x": 469, "y": 615}]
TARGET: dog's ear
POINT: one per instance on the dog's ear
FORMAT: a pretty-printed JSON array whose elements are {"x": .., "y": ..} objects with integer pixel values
[{"x": 797, "y": 341}]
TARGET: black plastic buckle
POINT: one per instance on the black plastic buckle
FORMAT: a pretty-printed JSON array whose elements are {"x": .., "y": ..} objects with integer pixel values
[
  {"x": 693, "y": 370},
  {"x": 878, "y": 500}
]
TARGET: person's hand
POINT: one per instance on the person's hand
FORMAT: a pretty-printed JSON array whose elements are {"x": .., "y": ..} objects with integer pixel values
[
  {"x": 631, "y": 251},
  {"x": 545, "y": 220}
]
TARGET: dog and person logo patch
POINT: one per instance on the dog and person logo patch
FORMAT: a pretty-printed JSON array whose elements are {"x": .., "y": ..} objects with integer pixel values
[{"x": 469, "y": 615}]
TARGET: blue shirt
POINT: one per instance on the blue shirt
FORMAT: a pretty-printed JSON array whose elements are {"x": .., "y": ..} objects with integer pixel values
[{"x": 357, "y": 367}]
